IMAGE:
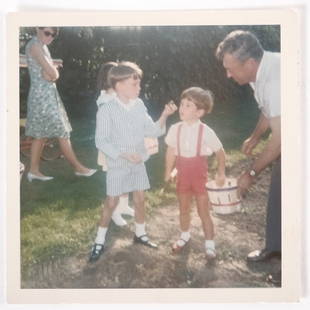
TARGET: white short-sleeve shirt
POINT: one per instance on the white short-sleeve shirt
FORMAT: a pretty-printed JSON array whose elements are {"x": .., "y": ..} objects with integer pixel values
[
  {"x": 267, "y": 85},
  {"x": 189, "y": 139}
]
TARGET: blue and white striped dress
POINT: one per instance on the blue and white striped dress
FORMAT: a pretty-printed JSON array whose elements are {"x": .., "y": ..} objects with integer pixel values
[{"x": 122, "y": 130}]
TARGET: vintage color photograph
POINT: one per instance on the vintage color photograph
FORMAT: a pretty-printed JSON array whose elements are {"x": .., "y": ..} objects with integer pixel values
[
  {"x": 65, "y": 80},
  {"x": 150, "y": 156}
]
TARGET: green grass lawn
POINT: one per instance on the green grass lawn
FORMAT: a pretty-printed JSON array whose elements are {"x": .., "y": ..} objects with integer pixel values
[{"x": 59, "y": 218}]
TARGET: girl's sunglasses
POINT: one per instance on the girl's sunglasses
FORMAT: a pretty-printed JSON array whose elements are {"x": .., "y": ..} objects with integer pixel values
[{"x": 47, "y": 34}]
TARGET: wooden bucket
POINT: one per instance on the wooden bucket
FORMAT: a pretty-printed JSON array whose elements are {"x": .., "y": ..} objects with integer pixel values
[{"x": 224, "y": 200}]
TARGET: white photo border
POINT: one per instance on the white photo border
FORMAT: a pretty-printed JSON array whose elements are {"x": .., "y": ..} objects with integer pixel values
[{"x": 292, "y": 149}]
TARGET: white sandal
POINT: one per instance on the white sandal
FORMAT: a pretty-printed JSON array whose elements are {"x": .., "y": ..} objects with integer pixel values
[
  {"x": 179, "y": 245},
  {"x": 210, "y": 252}
]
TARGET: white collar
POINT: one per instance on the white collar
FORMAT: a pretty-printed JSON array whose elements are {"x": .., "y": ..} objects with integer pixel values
[
  {"x": 193, "y": 125},
  {"x": 105, "y": 97},
  {"x": 259, "y": 72},
  {"x": 127, "y": 106},
  {"x": 261, "y": 64}
]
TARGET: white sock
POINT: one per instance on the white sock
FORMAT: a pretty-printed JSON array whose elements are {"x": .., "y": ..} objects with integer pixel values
[
  {"x": 140, "y": 231},
  {"x": 123, "y": 200},
  {"x": 209, "y": 244},
  {"x": 117, "y": 209},
  {"x": 184, "y": 237},
  {"x": 101, "y": 235}
]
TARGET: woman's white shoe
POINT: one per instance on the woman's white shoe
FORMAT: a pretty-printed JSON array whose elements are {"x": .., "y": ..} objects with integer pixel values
[
  {"x": 87, "y": 174},
  {"x": 31, "y": 176}
]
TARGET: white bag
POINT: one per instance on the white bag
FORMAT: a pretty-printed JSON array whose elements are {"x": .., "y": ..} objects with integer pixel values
[{"x": 151, "y": 145}]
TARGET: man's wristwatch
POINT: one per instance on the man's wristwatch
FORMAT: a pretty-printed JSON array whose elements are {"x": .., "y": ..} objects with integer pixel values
[{"x": 252, "y": 173}]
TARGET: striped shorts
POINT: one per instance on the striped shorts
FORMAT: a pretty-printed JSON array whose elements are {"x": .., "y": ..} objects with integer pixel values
[{"x": 125, "y": 180}]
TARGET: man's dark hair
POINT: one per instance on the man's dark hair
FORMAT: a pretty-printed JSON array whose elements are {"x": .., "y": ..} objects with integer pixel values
[{"x": 241, "y": 44}]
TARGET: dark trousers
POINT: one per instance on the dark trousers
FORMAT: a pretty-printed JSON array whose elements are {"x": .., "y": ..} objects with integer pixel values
[{"x": 273, "y": 225}]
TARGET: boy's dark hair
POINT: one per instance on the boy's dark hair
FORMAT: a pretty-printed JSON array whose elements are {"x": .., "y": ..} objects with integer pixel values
[
  {"x": 203, "y": 99},
  {"x": 124, "y": 70},
  {"x": 242, "y": 45},
  {"x": 102, "y": 77}
]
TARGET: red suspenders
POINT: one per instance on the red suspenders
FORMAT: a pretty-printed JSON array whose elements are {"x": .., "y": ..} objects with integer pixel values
[{"x": 199, "y": 142}]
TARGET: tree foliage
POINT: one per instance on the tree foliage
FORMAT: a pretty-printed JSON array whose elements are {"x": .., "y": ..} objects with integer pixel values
[{"x": 171, "y": 57}]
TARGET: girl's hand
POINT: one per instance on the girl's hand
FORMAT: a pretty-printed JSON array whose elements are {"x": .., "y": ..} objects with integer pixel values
[
  {"x": 170, "y": 108},
  {"x": 220, "y": 180}
]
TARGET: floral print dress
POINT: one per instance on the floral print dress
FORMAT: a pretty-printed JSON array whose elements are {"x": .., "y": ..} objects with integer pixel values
[{"x": 46, "y": 115}]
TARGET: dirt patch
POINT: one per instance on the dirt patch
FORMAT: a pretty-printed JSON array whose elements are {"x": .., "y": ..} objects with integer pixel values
[{"x": 128, "y": 265}]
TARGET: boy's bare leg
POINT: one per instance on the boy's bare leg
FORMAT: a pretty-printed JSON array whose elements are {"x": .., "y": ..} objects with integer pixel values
[
  {"x": 98, "y": 247},
  {"x": 138, "y": 200},
  {"x": 204, "y": 214},
  {"x": 185, "y": 209},
  {"x": 110, "y": 204},
  {"x": 140, "y": 232},
  {"x": 184, "y": 218}
]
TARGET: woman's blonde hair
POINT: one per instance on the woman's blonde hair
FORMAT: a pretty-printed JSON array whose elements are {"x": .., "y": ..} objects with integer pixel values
[
  {"x": 203, "y": 99},
  {"x": 123, "y": 71}
]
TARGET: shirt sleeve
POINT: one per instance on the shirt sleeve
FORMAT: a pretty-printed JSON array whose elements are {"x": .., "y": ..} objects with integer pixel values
[
  {"x": 211, "y": 140},
  {"x": 151, "y": 128},
  {"x": 102, "y": 134},
  {"x": 171, "y": 137},
  {"x": 272, "y": 99}
]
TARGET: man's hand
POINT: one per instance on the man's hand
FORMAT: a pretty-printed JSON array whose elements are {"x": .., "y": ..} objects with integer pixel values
[
  {"x": 248, "y": 146},
  {"x": 244, "y": 183}
]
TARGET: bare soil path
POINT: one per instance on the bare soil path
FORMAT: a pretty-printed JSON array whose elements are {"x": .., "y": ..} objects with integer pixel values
[{"x": 128, "y": 265}]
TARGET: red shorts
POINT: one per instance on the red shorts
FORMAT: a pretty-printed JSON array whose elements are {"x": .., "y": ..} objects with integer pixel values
[{"x": 192, "y": 175}]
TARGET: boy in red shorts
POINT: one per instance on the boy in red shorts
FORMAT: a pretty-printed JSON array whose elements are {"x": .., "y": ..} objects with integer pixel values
[{"x": 189, "y": 142}]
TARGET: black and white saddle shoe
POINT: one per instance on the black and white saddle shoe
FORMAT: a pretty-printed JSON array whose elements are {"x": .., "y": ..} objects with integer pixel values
[
  {"x": 144, "y": 240},
  {"x": 96, "y": 251}
]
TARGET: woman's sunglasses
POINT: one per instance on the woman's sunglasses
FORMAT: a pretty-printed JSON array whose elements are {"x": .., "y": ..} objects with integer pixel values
[{"x": 47, "y": 34}]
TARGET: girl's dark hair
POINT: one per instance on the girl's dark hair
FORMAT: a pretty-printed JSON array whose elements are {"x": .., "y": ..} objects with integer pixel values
[
  {"x": 55, "y": 29},
  {"x": 102, "y": 77}
]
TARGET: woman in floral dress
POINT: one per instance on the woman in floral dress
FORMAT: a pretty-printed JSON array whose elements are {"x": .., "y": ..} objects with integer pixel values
[{"x": 46, "y": 115}]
